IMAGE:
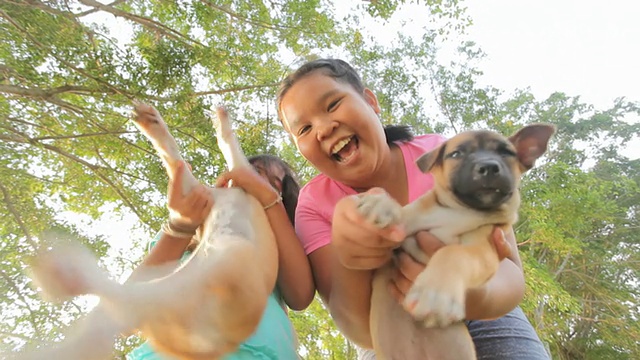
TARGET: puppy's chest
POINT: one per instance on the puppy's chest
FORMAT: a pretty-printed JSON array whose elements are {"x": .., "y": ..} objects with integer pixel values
[{"x": 447, "y": 224}]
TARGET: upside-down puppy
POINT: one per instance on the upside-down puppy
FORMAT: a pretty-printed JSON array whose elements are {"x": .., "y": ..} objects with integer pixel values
[
  {"x": 202, "y": 309},
  {"x": 476, "y": 179}
]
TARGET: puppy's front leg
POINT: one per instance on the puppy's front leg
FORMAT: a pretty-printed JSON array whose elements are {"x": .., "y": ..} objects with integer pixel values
[
  {"x": 151, "y": 124},
  {"x": 438, "y": 293}
]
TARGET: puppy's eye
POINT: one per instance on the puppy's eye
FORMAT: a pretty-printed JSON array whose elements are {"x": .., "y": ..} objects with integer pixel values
[
  {"x": 455, "y": 154},
  {"x": 505, "y": 152}
]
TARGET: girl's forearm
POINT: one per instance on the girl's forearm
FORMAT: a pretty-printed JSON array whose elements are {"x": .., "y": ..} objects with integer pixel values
[
  {"x": 350, "y": 302},
  {"x": 501, "y": 294},
  {"x": 295, "y": 280}
]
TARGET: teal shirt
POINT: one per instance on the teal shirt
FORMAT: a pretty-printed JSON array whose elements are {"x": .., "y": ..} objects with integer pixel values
[{"x": 274, "y": 339}]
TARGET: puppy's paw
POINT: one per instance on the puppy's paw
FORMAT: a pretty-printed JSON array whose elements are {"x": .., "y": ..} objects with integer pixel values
[
  {"x": 149, "y": 121},
  {"x": 222, "y": 124},
  {"x": 379, "y": 209},
  {"x": 437, "y": 301}
]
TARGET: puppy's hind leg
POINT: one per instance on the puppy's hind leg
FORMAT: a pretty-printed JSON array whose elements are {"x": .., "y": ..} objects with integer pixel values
[
  {"x": 67, "y": 271},
  {"x": 70, "y": 270}
]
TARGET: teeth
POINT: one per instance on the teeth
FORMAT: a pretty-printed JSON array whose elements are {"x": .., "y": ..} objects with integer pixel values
[{"x": 340, "y": 145}]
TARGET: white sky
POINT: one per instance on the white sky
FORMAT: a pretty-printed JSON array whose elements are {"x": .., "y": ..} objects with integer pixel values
[{"x": 587, "y": 48}]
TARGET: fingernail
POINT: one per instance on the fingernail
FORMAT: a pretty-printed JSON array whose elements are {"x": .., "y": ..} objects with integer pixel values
[{"x": 397, "y": 235}]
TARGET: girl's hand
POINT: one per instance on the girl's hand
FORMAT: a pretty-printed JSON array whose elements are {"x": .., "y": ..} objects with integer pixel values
[
  {"x": 188, "y": 210},
  {"x": 251, "y": 182},
  {"x": 408, "y": 269},
  {"x": 359, "y": 244}
]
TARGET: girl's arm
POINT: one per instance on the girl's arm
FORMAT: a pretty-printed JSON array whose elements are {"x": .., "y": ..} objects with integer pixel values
[{"x": 357, "y": 247}]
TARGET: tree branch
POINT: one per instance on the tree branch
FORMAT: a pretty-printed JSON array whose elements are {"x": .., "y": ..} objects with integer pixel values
[
  {"x": 17, "y": 336},
  {"x": 94, "y": 168},
  {"x": 245, "y": 19},
  {"x": 62, "y": 61},
  {"x": 46, "y": 93},
  {"x": 562, "y": 266},
  {"x": 146, "y": 22},
  {"x": 77, "y": 136},
  {"x": 89, "y": 12},
  {"x": 234, "y": 89},
  {"x": 8, "y": 200},
  {"x": 16, "y": 290}
]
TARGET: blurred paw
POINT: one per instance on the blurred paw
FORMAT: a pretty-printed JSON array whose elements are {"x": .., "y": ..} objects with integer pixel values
[
  {"x": 437, "y": 301},
  {"x": 379, "y": 209},
  {"x": 149, "y": 121}
]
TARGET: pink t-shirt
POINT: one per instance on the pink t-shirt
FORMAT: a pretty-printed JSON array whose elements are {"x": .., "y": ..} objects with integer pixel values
[{"x": 318, "y": 197}]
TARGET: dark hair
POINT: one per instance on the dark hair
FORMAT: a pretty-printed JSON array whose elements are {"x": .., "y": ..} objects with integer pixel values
[
  {"x": 340, "y": 71},
  {"x": 289, "y": 183}
]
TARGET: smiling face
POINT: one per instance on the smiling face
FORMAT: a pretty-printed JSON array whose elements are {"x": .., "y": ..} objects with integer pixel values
[{"x": 335, "y": 127}]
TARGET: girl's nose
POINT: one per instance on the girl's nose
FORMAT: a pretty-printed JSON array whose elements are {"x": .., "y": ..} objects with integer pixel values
[{"x": 325, "y": 129}]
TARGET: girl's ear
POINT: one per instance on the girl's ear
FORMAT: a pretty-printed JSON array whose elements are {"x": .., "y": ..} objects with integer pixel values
[{"x": 372, "y": 100}]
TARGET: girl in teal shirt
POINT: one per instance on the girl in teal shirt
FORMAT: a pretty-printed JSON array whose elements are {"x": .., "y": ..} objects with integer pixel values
[{"x": 274, "y": 339}]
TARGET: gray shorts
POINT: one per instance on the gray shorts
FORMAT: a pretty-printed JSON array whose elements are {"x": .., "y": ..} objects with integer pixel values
[{"x": 509, "y": 337}]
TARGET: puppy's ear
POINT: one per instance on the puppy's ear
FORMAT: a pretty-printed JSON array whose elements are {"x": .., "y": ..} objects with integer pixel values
[
  {"x": 427, "y": 161},
  {"x": 531, "y": 142}
]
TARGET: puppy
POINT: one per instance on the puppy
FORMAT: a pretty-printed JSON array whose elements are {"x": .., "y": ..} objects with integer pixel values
[
  {"x": 476, "y": 179},
  {"x": 202, "y": 309}
]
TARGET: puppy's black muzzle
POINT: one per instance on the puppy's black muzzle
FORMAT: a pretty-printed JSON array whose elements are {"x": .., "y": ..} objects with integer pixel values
[{"x": 483, "y": 181}]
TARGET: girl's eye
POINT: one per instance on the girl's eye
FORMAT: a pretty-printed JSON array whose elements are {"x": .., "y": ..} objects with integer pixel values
[
  {"x": 304, "y": 129},
  {"x": 332, "y": 105}
]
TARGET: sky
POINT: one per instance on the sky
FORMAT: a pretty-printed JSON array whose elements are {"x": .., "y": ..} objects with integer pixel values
[{"x": 587, "y": 48}]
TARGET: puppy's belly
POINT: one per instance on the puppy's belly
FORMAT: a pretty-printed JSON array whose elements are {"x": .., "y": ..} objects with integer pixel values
[{"x": 396, "y": 336}]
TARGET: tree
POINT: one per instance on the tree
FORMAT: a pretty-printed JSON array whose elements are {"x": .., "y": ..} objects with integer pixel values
[{"x": 68, "y": 80}]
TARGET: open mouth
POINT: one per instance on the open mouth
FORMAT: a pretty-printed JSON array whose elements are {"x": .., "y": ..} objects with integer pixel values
[{"x": 344, "y": 150}]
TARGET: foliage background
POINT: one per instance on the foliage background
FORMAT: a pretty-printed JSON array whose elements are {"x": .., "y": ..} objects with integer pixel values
[{"x": 69, "y": 157}]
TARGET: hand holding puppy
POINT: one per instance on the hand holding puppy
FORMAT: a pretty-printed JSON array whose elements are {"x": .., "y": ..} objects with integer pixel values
[
  {"x": 187, "y": 210},
  {"x": 359, "y": 243},
  {"x": 251, "y": 182},
  {"x": 407, "y": 269}
]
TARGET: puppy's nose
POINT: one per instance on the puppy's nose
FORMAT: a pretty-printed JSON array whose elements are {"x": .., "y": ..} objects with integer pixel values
[{"x": 487, "y": 168}]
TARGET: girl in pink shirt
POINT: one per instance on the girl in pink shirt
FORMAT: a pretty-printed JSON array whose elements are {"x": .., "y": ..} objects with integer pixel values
[
  {"x": 318, "y": 198},
  {"x": 333, "y": 120}
]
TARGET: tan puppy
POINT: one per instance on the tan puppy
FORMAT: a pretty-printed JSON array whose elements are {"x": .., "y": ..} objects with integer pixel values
[
  {"x": 201, "y": 310},
  {"x": 476, "y": 176}
]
